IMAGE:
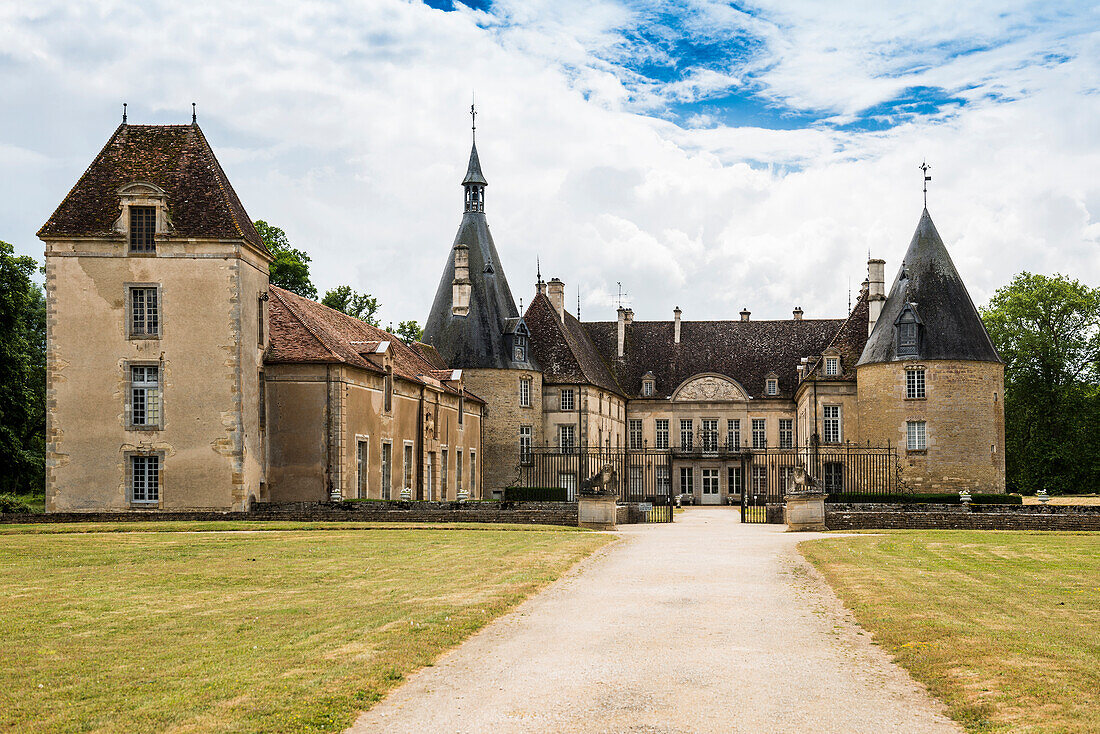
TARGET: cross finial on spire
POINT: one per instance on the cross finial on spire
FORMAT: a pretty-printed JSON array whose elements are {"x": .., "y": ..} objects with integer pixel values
[
  {"x": 925, "y": 168},
  {"x": 123, "y": 113}
]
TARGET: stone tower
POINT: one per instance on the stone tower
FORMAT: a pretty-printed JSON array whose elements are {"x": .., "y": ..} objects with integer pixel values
[
  {"x": 929, "y": 378},
  {"x": 156, "y": 290},
  {"x": 475, "y": 326}
]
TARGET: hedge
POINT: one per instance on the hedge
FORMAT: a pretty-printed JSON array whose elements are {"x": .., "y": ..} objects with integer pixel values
[
  {"x": 536, "y": 494},
  {"x": 944, "y": 498},
  {"x": 14, "y": 503}
]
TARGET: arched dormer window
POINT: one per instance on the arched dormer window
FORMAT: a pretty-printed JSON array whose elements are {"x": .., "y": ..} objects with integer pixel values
[
  {"x": 908, "y": 327},
  {"x": 144, "y": 215}
]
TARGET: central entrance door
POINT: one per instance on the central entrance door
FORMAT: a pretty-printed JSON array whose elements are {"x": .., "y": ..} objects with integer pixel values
[{"x": 710, "y": 487}]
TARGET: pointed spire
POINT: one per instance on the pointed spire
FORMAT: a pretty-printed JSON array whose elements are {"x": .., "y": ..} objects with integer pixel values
[{"x": 473, "y": 171}]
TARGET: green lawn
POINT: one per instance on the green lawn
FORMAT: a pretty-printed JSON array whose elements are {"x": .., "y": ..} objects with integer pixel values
[
  {"x": 1002, "y": 626},
  {"x": 281, "y": 630}
]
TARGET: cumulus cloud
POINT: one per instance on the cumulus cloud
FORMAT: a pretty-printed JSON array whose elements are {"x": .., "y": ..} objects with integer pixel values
[{"x": 605, "y": 133}]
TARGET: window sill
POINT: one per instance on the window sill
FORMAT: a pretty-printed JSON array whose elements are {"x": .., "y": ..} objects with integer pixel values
[
  {"x": 143, "y": 428},
  {"x": 145, "y": 504},
  {"x": 918, "y": 399},
  {"x": 916, "y": 452},
  {"x": 131, "y": 253}
]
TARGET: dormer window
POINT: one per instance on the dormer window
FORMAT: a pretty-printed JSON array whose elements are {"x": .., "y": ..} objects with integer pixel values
[
  {"x": 520, "y": 348},
  {"x": 908, "y": 333},
  {"x": 771, "y": 386},
  {"x": 832, "y": 366},
  {"x": 647, "y": 388},
  {"x": 143, "y": 226}
]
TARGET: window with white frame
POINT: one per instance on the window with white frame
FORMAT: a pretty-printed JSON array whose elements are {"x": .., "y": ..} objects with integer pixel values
[
  {"x": 525, "y": 444},
  {"x": 144, "y": 478},
  {"x": 914, "y": 383},
  {"x": 362, "y": 451},
  {"x": 473, "y": 472},
  {"x": 634, "y": 433},
  {"x": 687, "y": 480},
  {"x": 664, "y": 480},
  {"x": 733, "y": 480},
  {"x": 709, "y": 434},
  {"x": 144, "y": 312},
  {"x": 568, "y": 401},
  {"x": 145, "y": 404},
  {"x": 832, "y": 423},
  {"x": 635, "y": 480},
  {"x": 687, "y": 437},
  {"x": 661, "y": 433},
  {"x": 647, "y": 388},
  {"x": 916, "y": 436},
  {"x": 786, "y": 474},
  {"x": 567, "y": 438},
  {"x": 410, "y": 474},
  {"x": 772, "y": 386},
  {"x": 786, "y": 433},
  {"x": 443, "y": 462},
  {"x": 568, "y": 482},
  {"x": 143, "y": 228},
  {"x": 733, "y": 433},
  {"x": 759, "y": 480},
  {"x": 759, "y": 434},
  {"x": 387, "y": 469},
  {"x": 525, "y": 392},
  {"x": 458, "y": 471},
  {"x": 832, "y": 366}
]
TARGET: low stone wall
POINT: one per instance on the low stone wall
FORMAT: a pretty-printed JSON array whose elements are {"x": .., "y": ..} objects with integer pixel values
[
  {"x": 528, "y": 513},
  {"x": 882, "y": 516}
]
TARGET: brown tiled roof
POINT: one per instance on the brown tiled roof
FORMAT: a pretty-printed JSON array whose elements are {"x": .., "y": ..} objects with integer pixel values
[
  {"x": 429, "y": 354},
  {"x": 178, "y": 159},
  {"x": 746, "y": 351},
  {"x": 564, "y": 351},
  {"x": 304, "y": 331},
  {"x": 848, "y": 341}
]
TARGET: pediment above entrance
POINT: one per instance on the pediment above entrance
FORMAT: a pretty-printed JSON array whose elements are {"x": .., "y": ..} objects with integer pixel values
[{"x": 709, "y": 388}]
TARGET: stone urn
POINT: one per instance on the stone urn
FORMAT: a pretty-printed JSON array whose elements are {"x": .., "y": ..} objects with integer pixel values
[
  {"x": 463, "y": 495},
  {"x": 406, "y": 494},
  {"x": 1042, "y": 496}
]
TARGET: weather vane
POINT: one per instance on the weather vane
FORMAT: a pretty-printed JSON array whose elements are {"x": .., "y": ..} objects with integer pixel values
[
  {"x": 926, "y": 168},
  {"x": 473, "y": 121}
]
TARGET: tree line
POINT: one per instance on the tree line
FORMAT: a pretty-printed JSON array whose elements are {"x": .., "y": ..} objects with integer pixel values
[{"x": 1046, "y": 329}]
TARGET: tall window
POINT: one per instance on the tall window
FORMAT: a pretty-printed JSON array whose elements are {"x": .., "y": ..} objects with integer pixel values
[
  {"x": 786, "y": 474},
  {"x": 635, "y": 480},
  {"x": 473, "y": 472},
  {"x": 261, "y": 388},
  {"x": 647, "y": 388},
  {"x": 914, "y": 383},
  {"x": 145, "y": 478},
  {"x": 634, "y": 433},
  {"x": 260, "y": 322},
  {"x": 387, "y": 390},
  {"x": 664, "y": 481},
  {"x": 568, "y": 482},
  {"x": 709, "y": 434},
  {"x": 733, "y": 433},
  {"x": 525, "y": 444},
  {"x": 759, "y": 434},
  {"x": 458, "y": 471},
  {"x": 759, "y": 480},
  {"x": 687, "y": 480},
  {"x": 661, "y": 438},
  {"x": 461, "y": 411},
  {"x": 686, "y": 436},
  {"x": 525, "y": 392},
  {"x": 144, "y": 312},
  {"x": 410, "y": 476},
  {"x": 443, "y": 473},
  {"x": 916, "y": 436},
  {"x": 832, "y": 366},
  {"x": 834, "y": 476},
  {"x": 143, "y": 225},
  {"x": 145, "y": 396},
  {"x": 733, "y": 480},
  {"x": 786, "y": 433},
  {"x": 772, "y": 386},
  {"x": 387, "y": 470},
  {"x": 832, "y": 423},
  {"x": 361, "y": 453},
  {"x": 567, "y": 438},
  {"x": 567, "y": 400}
]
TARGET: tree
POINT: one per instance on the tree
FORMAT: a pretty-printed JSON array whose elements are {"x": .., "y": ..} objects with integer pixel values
[
  {"x": 409, "y": 331},
  {"x": 290, "y": 268},
  {"x": 1047, "y": 330},
  {"x": 22, "y": 375},
  {"x": 360, "y": 305}
]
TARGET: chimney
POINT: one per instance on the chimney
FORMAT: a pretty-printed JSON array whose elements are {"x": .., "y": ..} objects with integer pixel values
[
  {"x": 622, "y": 329},
  {"x": 876, "y": 291},
  {"x": 460, "y": 286},
  {"x": 676, "y": 325},
  {"x": 797, "y": 313},
  {"x": 629, "y": 316},
  {"x": 555, "y": 290},
  {"x": 745, "y": 313},
  {"x": 540, "y": 287}
]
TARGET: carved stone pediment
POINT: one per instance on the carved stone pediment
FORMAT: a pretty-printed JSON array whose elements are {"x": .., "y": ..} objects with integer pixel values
[{"x": 709, "y": 388}]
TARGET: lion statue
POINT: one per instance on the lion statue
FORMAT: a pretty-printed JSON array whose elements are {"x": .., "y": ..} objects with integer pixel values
[{"x": 602, "y": 482}]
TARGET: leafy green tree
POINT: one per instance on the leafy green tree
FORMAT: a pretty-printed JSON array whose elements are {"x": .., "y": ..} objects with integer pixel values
[
  {"x": 1047, "y": 330},
  {"x": 360, "y": 305},
  {"x": 290, "y": 268},
  {"x": 22, "y": 375},
  {"x": 409, "y": 331}
]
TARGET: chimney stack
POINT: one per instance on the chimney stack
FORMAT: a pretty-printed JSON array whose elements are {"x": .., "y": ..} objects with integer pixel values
[
  {"x": 555, "y": 290},
  {"x": 876, "y": 291},
  {"x": 622, "y": 330},
  {"x": 745, "y": 313},
  {"x": 797, "y": 313},
  {"x": 676, "y": 325},
  {"x": 460, "y": 286}
]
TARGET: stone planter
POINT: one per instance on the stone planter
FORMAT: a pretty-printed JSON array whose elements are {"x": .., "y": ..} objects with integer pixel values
[{"x": 596, "y": 511}]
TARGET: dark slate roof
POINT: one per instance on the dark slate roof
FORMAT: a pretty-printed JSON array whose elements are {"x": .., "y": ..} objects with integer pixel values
[
  {"x": 564, "y": 351},
  {"x": 473, "y": 171},
  {"x": 304, "y": 331},
  {"x": 927, "y": 279},
  {"x": 178, "y": 159},
  {"x": 746, "y": 351},
  {"x": 848, "y": 342}
]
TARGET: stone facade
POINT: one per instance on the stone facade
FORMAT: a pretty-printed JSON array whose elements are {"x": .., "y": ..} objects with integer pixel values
[
  {"x": 506, "y": 416},
  {"x": 963, "y": 415}
]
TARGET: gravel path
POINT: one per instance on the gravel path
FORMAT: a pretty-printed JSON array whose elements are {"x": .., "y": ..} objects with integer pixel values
[{"x": 705, "y": 625}]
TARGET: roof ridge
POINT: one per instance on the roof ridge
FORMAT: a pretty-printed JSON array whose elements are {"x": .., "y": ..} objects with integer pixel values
[
  {"x": 80, "y": 178},
  {"x": 599, "y": 355},
  {"x": 293, "y": 312}
]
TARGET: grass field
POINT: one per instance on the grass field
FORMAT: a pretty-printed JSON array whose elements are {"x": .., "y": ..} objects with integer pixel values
[
  {"x": 278, "y": 630},
  {"x": 1004, "y": 627}
]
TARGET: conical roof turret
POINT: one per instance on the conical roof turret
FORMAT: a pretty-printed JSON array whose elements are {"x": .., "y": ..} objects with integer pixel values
[
  {"x": 929, "y": 290},
  {"x": 473, "y": 171}
]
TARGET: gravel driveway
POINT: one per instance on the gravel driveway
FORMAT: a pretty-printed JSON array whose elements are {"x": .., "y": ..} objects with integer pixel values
[{"x": 705, "y": 625}]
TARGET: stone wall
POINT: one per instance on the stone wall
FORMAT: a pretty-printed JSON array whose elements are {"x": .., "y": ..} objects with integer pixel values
[
  {"x": 503, "y": 418},
  {"x": 955, "y": 517},
  {"x": 964, "y": 413}
]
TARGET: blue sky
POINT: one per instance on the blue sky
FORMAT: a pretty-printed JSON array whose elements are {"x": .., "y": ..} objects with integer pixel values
[{"x": 708, "y": 155}]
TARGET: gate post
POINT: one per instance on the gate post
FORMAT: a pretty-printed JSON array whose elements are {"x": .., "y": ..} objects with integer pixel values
[
  {"x": 805, "y": 508},
  {"x": 596, "y": 511}
]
